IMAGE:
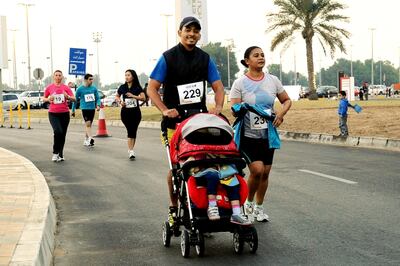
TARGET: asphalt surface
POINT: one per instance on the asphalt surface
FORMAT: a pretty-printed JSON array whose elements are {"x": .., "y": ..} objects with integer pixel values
[{"x": 329, "y": 205}]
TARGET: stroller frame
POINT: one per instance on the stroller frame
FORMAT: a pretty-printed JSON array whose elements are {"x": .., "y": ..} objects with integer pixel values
[{"x": 194, "y": 227}]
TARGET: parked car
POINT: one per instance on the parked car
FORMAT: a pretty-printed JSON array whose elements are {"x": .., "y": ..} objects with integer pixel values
[
  {"x": 110, "y": 101},
  {"x": 10, "y": 99},
  {"x": 34, "y": 98},
  {"x": 327, "y": 91},
  {"x": 377, "y": 89},
  {"x": 304, "y": 92}
]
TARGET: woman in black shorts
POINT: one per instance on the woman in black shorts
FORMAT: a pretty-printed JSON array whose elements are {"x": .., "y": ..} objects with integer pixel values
[
  {"x": 259, "y": 89},
  {"x": 128, "y": 95}
]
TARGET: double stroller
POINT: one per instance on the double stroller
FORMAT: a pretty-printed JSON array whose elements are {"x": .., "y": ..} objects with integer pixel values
[{"x": 202, "y": 134}]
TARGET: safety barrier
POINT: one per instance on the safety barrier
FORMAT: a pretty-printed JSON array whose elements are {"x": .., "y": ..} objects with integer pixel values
[{"x": 10, "y": 117}]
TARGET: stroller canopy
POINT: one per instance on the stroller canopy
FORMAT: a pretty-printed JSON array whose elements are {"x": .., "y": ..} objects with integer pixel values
[
  {"x": 205, "y": 120},
  {"x": 202, "y": 134}
]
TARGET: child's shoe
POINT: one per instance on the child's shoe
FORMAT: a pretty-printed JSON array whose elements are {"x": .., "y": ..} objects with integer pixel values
[
  {"x": 213, "y": 213},
  {"x": 240, "y": 219}
]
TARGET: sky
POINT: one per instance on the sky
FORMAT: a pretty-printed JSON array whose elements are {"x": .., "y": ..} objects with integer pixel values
[{"x": 134, "y": 33}]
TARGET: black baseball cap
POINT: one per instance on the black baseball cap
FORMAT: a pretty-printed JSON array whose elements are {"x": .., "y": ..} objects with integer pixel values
[{"x": 189, "y": 20}]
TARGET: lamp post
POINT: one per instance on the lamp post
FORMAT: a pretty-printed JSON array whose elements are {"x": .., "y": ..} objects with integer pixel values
[
  {"x": 97, "y": 36},
  {"x": 14, "y": 61},
  {"x": 320, "y": 72},
  {"x": 294, "y": 64},
  {"x": 372, "y": 55},
  {"x": 166, "y": 25},
  {"x": 51, "y": 51},
  {"x": 399, "y": 64},
  {"x": 229, "y": 46},
  {"x": 48, "y": 65},
  {"x": 351, "y": 60},
  {"x": 9, "y": 73},
  {"x": 23, "y": 63},
  {"x": 91, "y": 63},
  {"x": 27, "y": 40},
  {"x": 116, "y": 71}
]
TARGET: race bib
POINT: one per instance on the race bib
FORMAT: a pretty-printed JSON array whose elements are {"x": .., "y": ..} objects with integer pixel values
[
  {"x": 130, "y": 102},
  {"x": 191, "y": 93},
  {"x": 89, "y": 97},
  {"x": 259, "y": 122},
  {"x": 58, "y": 98}
]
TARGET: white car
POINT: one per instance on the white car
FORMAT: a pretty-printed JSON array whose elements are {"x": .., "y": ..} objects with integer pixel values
[
  {"x": 10, "y": 99},
  {"x": 377, "y": 89},
  {"x": 34, "y": 98},
  {"x": 110, "y": 101}
]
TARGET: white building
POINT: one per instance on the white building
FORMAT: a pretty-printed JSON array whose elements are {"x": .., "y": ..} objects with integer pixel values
[{"x": 195, "y": 8}]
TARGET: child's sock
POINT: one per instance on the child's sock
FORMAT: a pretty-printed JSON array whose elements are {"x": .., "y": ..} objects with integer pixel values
[
  {"x": 212, "y": 203},
  {"x": 235, "y": 209}
]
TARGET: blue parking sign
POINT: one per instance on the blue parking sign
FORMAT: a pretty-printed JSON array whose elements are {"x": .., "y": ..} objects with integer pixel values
[{"x": 77, "y": 61}]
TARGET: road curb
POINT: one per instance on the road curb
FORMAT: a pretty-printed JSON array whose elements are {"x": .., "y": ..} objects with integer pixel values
[
  {"x": 36, "y": 243},
  {"x": 365, "y": 142}
]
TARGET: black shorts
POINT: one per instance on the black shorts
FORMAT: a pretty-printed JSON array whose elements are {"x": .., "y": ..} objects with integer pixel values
[
  {"x": 88, "y": 114},
  {"x": 256, "y": 150}
]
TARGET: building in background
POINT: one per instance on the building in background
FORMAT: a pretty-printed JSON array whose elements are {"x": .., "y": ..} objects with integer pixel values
[{"x": 195, "y": 8}]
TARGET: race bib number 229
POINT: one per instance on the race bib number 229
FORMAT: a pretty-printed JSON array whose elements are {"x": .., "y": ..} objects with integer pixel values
[{"x": 191, "y": 93}]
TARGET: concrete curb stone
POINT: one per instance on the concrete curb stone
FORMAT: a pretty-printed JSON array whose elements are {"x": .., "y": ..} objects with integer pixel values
[{"x": 36, "y": 243}]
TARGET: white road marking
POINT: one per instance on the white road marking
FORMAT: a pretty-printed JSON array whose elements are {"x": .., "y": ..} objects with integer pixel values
[{"x": 329, "y": 176}]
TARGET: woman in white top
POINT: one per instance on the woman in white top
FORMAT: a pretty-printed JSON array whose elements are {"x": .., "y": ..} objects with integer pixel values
[{"x": 261, "y": 89}]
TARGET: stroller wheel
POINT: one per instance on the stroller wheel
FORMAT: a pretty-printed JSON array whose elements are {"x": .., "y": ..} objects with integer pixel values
[
  {"x": 185, "y": 244},
  {"x": 253, "y": 240},
  {"x": 166, "y": 234},
  {"x": 200, "y": 247},
  {"x": 238, "y": 243}
]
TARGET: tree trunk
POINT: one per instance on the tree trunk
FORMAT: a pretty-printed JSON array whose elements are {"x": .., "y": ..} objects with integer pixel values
[{"x": 310, "y": 70}]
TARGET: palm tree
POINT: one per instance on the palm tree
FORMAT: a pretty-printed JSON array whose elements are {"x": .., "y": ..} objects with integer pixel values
[{"x": 308, "y": 17}]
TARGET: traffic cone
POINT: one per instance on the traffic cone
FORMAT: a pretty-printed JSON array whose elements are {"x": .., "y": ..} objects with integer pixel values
[{"x": 102, "y": 129}]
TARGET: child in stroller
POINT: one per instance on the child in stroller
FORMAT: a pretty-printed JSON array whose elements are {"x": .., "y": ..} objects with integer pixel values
[
  {"x": 225, "y": 175},
  {"x": 203, "y": 146}
]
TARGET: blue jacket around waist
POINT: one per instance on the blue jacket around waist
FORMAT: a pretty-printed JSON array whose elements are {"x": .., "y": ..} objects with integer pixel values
[{"x": 240, "y": 109}]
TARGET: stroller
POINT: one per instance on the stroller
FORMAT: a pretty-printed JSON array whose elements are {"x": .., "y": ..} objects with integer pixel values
[{"x": 200, "y": 134}]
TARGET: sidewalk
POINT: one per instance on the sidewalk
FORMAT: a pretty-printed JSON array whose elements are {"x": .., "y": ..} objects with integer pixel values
[{"x": 27, "y": 213}]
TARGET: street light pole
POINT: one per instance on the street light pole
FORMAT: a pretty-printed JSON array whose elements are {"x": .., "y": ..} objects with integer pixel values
[
  {"x": 228, "y": 48},
  {"x": 399, "y": 64},
  {"x": 51, "y": 51},
  {"x": 97, "y": 36},
  {"x": 27, "y": 39},
  {"x": 166, "y": 25},
  {"x": 351, "y": 60},
  {"x": 372, "y": 55},
  {"x": 91, "y": 63},
  {"x": 294, "y": 62},
  {"x": 320, "y": 72},
  {"x": 116, "y": 71},
  {"x": 14, "y": 62}
]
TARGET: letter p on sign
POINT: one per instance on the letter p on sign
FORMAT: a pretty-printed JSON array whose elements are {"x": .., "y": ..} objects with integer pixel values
[{"x": 73, "y": 67}]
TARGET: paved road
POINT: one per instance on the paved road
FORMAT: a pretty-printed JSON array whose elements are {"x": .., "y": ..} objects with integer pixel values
[{"x": 329, "y": 205}]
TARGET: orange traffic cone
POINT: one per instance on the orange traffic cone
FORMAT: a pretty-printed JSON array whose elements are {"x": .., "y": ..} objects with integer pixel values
[{"x": 102, "y": 129}]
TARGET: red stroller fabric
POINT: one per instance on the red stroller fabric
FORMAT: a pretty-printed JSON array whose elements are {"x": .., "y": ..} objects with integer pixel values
[{"x": 198, "y": 194}]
